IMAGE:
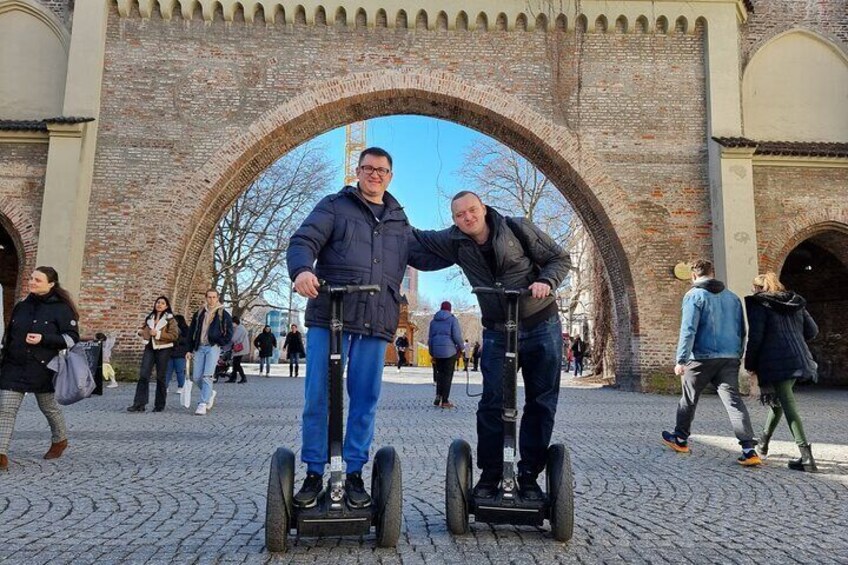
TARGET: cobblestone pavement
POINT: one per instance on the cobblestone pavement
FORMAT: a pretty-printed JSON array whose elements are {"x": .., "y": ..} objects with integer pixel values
[{"x": 177, "y": 488}]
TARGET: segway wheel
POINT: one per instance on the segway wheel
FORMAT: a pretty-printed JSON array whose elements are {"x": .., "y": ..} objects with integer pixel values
[
  {"x": 278, "y": 505},
  {"x": 560, "y": 485},
  {"x": 387, "y": 494},
  {"x": 458, "y": 486}
]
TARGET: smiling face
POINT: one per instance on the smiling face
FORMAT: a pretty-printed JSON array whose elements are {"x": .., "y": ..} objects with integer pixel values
[
  {"x": 38, "y": 283},
  {"x": 160, "y": 305},
  {"x": 374, "y": 174},
  {"x": 469, "y": 215}
]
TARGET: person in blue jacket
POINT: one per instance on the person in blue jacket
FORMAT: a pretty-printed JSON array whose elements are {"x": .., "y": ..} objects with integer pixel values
[
  {"x": 360, "y": 236},
  {"x": 444, "y": 342}
]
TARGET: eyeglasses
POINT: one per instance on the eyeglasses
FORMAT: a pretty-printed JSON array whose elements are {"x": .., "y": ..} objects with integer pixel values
[{"x": 382, "y": 172}]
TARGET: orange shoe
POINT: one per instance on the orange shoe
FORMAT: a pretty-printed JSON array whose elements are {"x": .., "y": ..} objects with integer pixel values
[
  {"x": 749, "y": 459},
  {"x": 675, "y": 443},
  {"x": 4, "y": 463},
  {"x": 56, "y": 449}
]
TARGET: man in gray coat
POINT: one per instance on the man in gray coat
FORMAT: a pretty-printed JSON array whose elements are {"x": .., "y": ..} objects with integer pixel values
[{"x": 493, "y": 249}]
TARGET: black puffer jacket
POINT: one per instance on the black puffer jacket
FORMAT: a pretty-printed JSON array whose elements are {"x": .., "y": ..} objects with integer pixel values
[
  {"x": 779, "y": 327},
  {"x": 265, "y": 343},
  {"x": 24, "y": 367},
  {"x": 535, "y": 257}
]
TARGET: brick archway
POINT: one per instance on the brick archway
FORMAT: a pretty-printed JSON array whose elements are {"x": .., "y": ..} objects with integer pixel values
[
  {"x": 22, "y": 233},
  {"x": 552, "y": 148},
  {"x": 799, "y": 229}
]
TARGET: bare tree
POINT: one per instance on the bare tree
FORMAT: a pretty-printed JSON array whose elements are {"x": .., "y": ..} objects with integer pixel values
[{"x": 253, "y": 236}]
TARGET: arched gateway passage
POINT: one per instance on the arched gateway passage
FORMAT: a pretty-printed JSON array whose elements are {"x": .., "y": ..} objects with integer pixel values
[
  {"x": 552, "y": 149},
  {"x": 10, "y": 269}
]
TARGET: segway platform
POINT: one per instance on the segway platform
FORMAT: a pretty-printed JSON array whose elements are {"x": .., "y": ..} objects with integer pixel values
[
  {"x": 515, "y": 510},
  {"x": 329, "y": 519}
]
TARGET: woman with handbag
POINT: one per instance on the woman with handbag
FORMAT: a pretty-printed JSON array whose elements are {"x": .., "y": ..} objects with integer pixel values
[
  {"x": 159, "y": 331},
  {"x": 34, "y": 337},
  {"x": 241, "y": 347},
  {"x": 777, "y": 356}
]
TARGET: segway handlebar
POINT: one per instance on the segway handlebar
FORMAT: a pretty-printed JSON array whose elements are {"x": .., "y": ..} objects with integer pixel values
[
  {"x": 500, "y": 290},
  {"x": 349, "y": 288}
]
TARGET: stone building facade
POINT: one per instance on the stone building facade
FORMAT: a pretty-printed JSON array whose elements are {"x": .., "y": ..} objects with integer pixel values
[{"x": 666, "y": 124}]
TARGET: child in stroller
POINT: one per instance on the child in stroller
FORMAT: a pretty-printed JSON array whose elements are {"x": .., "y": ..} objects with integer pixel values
[{"x": 225, "y": 361}]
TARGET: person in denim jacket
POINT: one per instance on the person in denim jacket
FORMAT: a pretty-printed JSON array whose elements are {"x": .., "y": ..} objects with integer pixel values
[{"x": 712, "y": 334}]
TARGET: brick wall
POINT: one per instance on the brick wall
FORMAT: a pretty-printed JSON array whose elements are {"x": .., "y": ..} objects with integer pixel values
[{"x": 62, "y": 9}]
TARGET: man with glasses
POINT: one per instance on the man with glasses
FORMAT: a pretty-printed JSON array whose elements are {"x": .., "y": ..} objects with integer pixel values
[{"x": 356, "y": 236}]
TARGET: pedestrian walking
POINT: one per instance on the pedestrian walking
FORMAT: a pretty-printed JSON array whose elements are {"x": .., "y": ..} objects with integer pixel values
[
  {"x": 211, "y": 329},
  {"x": 241, "y": 347},
  {"x": 777, "y": 355},
  {"x": 293, "y": 346},
  {"x": 444, "y": 341},
  {"x": 712, "y": 332},
  {"x": 35, "y": 335},
  {"x": 159, "y": 332},
  {"x": 492, "y": 249},
  {"x": 475, "y": 354},
  {"x": 401, "y": 345},
  {"x": 466, "y": 355},
  {"x": 265, "y": 342},
  {"x": 177, "y": 362},
  {"x": 107, "y": 344},
  {"x": 356, "y": 236},
  {"x": 578, "y": 351}
]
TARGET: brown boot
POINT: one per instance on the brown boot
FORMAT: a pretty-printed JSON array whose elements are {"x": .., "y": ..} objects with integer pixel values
[
  {"x": 56, "y": 450},
  {"x": 4, "y": 463}
]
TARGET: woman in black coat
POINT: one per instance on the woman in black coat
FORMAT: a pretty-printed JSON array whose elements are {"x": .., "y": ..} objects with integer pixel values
[
  {"x": 34, "y": 337},
  {"x": 777, "y": 356}
]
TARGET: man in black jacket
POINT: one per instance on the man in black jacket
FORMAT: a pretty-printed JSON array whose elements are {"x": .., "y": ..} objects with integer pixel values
[{"x": 492, "y": 249}]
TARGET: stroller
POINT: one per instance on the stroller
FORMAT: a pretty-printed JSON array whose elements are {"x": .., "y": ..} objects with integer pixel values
[{"x": 225, "y": 361}]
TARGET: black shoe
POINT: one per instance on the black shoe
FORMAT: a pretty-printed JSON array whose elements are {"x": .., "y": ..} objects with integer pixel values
[
  {"x": 231, "y": 380},
  {"x": 242, "y": 381},
  {"x": 159, "y": 409},
  {"x": 215, "y": 379},
  {"x": 135, "y": 408},
  {"x": 487, "y": 486},
  {"x": 355, "y": 491},
  {"x": 529, "y": 489},
  {"x": 438, "y": 401},
  {"x": 307, "y": 496}
]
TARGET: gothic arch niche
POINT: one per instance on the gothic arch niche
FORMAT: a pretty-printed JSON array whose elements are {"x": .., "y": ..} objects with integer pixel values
[
  {"x": 795, "y": 88},
  {"x": 817, "y": 269},
  {"x": 336, "y": 103},
  {"x": 11, "y": 267}
]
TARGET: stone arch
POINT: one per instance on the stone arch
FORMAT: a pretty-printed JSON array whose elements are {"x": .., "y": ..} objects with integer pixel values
[
  {"x": 798, "y": 229},
  {"x": 501, "y": 22},
  {"x": 442, "y": 21},
  {"x": 35, "y": 47},
  {"x": 521, "y": 22},
  {"x": 541, "y": 23},
  {"x": 562, "y": 22},
  {"x": 22, "y": 233},
  {"x": 552, "y": 148},
  {"x": 795, "y": 87}
]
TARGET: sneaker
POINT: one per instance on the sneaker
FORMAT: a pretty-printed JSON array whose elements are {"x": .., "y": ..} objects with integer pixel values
[
  {"x": 487, "y": 486},
  {"x": 179, "y": 390},
  {"x": 307, "y": 496},
  {"x": 136, "y": 408},
  {"x": 674, "y": 442},
  {"x": 201, "y": 410},
  {"x": 355, "y": 491},
  {"x": 438, "y": 401},
  {"x": 212, "y": 400},
  {"x": 749, "y": 459},
  {"x": 529, "y": 489},
  {"x": 113, "y": 384}
]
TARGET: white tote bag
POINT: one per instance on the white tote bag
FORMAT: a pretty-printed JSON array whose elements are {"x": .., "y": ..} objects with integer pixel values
[{"x": 185, "y": 394}]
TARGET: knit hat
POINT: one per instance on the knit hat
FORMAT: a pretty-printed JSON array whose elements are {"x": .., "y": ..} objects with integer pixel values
[{"x": 446, "y": 306}]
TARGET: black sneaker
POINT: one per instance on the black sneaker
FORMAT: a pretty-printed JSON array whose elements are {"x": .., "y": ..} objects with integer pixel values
[
  {"x": 136, "y": 408},
  {"x": 487, "y": 486},
  {"x": 529, "y": 489},
  {"x": 355, "y": 490},
  {"x": 307, "y": 496}
]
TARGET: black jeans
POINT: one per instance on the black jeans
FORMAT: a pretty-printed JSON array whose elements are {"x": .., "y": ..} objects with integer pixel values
[
  {"x": 237, "y": 368},
  {"x": 158, "y": 358},
  {"x": 444, "y": 376},
  {"x": 401, "y": 359},
  {"x": 293, "y": 364},
  {"x": 540, "y": 355}
]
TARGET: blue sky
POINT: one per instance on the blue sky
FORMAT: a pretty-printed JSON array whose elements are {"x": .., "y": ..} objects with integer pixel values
[{"x": 427, "y": 155}]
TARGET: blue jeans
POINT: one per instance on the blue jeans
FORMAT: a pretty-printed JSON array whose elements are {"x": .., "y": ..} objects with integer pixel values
[
  {"x": 364, "y": 356},
  {"x": 176, "y": 365},
  {"x": 294, "y": 360},
  {"x": 540, "y": 356},
  {"x": 266, "y": 362},
  {"x": 205, "y": 361}
]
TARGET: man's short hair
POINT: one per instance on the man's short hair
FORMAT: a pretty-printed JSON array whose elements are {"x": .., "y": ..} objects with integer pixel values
[
  {"x": 208, "y": 290},
  {"x": 377, "y": 152},
  {"x": 236, "y": 320},
  {"x": 702, "y": 267},
  {"x": 464, "y": 193}
]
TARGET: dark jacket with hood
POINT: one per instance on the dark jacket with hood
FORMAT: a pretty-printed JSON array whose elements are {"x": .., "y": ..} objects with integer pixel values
[
  {"x": 220, "y": 329},
  {"x": 779, "y": 327},
  {"x": 181, "y": 346},
  {"x": 265, "y": 342},
  {"x": 344, "y": 243},
  {"x": 524, "y": 254},
  {"x": 294, "y": 344},
  {"x": 24, "y": 366},
  {"x": 445, "y": 336}
]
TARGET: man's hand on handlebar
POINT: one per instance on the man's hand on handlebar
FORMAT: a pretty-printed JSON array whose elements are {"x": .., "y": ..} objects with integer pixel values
[
  {"x": 306, "y": 284},
  {"x": 540, "y": 289}
]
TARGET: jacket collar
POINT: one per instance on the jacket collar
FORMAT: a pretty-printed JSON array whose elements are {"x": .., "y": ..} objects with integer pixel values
[{"x": 393, "y": 208}]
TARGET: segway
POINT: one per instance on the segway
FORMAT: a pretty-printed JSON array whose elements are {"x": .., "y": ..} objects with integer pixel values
[
  {"x": 331, "y": 515},
  {"x": 508, "y": 507}
]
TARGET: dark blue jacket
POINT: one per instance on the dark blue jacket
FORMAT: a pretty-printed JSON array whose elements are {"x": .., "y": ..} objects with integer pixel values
[
  {"x": 343, "y": 242},
  {"x": 779, "y": 327},
  {"x": 445, "y": 336},
  {"x": 220, "y": 330}
]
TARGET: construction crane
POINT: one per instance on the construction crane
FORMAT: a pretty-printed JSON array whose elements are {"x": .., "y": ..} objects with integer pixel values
[{"x": 354, "y": 145}]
